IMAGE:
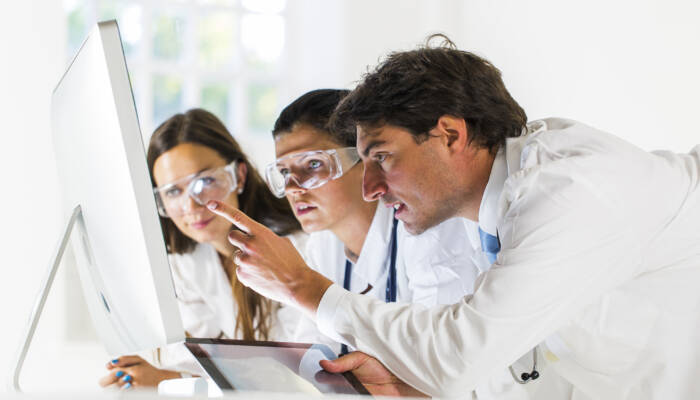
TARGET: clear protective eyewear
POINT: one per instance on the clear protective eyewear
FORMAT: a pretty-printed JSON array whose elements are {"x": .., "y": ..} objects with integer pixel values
[
  {"x": 310, "y": 169},
  {"x": 173, "y": 199}
]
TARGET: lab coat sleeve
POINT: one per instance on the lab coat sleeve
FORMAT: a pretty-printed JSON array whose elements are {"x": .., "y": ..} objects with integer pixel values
[{"x": 564, "y": 244}]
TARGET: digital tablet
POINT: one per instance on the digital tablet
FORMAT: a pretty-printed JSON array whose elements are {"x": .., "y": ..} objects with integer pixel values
[{"x": 271, "y": 366}]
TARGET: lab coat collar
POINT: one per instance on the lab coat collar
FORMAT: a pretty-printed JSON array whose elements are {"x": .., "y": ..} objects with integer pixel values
[
  {"x": 508, "y": 160},
  {"x": 372, "y": 262},
  {"x": 488, "y": 211},
  {"x": 516, "y": 147}
]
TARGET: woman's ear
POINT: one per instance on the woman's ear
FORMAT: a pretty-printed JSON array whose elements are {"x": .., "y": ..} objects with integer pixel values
[{"x": 241, "y": 175}]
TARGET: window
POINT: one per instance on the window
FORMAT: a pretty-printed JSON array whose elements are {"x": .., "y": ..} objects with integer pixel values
[{"x": 221, "y": 55}]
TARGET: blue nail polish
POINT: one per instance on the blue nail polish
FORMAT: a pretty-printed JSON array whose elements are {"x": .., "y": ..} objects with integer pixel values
[
  {"x": 127, "y": 378},
  {"x": 119, "y": 374},
  {"x": 128, "y": 385},
  {"x": 116, "y": 360}
]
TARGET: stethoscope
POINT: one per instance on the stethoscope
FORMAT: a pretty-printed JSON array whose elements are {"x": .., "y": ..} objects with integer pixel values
[
  {"x": 525, "y": 377},
  {"x": 390, "y": 293}
]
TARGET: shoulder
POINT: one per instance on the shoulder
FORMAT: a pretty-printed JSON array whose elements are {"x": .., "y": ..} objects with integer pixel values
[{"x": 554, "y": 139}]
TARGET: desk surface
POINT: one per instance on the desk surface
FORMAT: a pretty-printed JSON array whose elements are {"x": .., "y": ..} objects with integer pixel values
[{"x": 148, "y": 394}]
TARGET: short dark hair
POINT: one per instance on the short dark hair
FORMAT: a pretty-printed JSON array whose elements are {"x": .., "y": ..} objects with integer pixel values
[
  {"x": 314, "y": 108},
  {"x": 413, "y": 89}
]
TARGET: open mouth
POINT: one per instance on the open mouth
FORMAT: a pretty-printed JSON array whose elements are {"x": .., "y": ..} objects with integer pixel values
[
  {"x": 302, "y": 209},
  {"x": 398, "y": 208}
]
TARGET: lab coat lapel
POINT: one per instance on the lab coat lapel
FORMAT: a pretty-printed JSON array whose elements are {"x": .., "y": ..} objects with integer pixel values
[{"x": 371, "y": 266}]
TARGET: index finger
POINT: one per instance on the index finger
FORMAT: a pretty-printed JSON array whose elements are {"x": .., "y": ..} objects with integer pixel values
[{"x": 233, "y": 215}]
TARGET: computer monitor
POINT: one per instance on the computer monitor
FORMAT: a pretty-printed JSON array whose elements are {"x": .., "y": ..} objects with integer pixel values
[
  {"x": 105, "y": 185},
  {"x": 101, "y": 164}
]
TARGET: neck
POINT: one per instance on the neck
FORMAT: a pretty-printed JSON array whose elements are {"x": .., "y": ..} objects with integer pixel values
[
  {"x": 352, "y": 231},
  {"x": 479, "y": 167}
]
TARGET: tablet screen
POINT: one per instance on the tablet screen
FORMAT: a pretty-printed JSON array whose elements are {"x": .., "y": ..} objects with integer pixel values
[{"x": 271, "y": 366}]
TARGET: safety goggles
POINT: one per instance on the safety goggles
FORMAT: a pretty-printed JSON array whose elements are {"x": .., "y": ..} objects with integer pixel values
[
  {"x": 310, "y": 169},
  {"x": 212, "y": 184}
]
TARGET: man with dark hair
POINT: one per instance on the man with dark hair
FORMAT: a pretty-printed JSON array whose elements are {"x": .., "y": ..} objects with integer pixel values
[{"x": 595, "y": 242}]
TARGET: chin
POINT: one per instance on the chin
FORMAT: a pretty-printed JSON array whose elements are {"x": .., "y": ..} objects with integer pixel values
[
  {"x": 203, "y": 236},
  {"x": 412, "y": 230},
  {"x": 313, "y": 225},
  {"x": 415, "y": 227}
]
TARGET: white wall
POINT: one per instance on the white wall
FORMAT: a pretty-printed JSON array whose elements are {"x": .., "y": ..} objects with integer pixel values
[
  {"x": 629, "y": 67},
  {"x": 31, "y": 47}
]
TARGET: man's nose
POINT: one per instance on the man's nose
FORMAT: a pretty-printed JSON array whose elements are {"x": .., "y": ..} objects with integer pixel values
[{"x": 373, "y": 184}]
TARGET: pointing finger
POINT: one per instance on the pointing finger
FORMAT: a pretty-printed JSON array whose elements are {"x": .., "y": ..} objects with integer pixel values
[{"x": 234, "y": 215}]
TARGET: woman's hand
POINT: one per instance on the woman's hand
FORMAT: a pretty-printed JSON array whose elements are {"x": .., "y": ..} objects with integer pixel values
[
  {"x": 378, "y": 380},
  {"x": 128, "y": 371}
]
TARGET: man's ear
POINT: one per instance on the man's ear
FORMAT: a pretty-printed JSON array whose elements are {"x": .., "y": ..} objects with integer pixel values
[
  {"x": 454, "y": 132},
  {"x": 241, "y": 175}
]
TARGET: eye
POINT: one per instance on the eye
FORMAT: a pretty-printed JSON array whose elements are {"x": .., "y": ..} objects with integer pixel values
[
  {"x": 202, "y": 183},
  {"x": 207, "y": 180},
  {"x": 380, "y": 157},
  {"x": 283, "y": 171},
  {"x": 173, "y": 192},
  {"x": 315, "y": 164}
]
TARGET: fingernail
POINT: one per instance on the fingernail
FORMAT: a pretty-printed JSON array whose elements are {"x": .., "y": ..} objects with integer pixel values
[
  {"x": 119, "y": 374},
  {"x": 116, "y": 360},
  {"x": 128, "y": 385},
  {"x": 127, "y": 378},
  {"x": 212, "y": 205}
]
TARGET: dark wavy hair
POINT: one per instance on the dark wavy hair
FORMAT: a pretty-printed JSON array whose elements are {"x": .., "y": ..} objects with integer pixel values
[
  {"x": 413, "y": 89},
  {"x": 204, "y": 128}
]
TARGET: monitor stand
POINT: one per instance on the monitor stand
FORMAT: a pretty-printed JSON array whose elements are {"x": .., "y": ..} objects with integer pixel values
[{"x": 43, "y": 294}]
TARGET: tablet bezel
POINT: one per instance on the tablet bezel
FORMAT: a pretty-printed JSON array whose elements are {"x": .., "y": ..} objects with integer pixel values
[{"x": 224, "y": 384}]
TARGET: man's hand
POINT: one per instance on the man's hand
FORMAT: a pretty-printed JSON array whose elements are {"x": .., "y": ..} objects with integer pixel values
[
  {"x": 270, "y": 264},
  {"x": 372, "y": 374},
  {"x": 128, "y": 371}
]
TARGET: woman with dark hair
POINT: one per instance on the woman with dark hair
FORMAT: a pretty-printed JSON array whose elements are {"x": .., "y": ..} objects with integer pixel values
[
  {"x": 353, "y": 242},
  {"x": 192, "y": 159}
]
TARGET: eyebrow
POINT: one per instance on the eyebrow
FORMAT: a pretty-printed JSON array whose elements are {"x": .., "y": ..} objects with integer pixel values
[
  {"x": 372, "y": 145},
  {"x": 167, "y": 185}
]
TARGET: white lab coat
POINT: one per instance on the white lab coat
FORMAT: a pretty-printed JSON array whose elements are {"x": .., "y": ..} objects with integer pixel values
[
  {"x": 207, "y": 307},
  {"x": 600, "y": 258},
  {"x": 435, "y": 267}
]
